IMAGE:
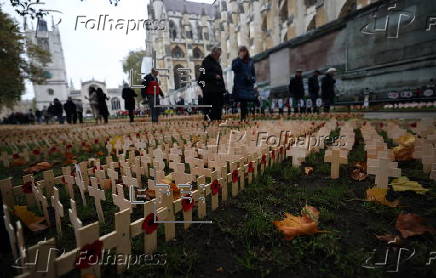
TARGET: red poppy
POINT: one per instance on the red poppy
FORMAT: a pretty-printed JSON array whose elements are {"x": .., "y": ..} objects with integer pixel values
[
  {"x": 36, "y": 152},
  {"x": 235, "y": 176},
  {"x": 413, "y": 125},
  {"x": 281, "y": 150},
  {"x": 96, "y": 141},
  {"x": 273, "y": 154},
  {"x": 89, "y": 255},
  {"x": 27, "y": 187},
  {"x": 215, "y": 187},
  {"x": 263, "y": 160},
  {"x": 149, "y": 226},
  {"x": 69, "y": 146},
  {"x": 187, "y": 204},
  {"x": 381, "y": 125},
  {"x": 52, "y": 150},
  {"x": 63, "y": 180},
  {"x": 250, "y": 167},
  {"x": 83, "y": 144},
  {"x": 15, "y": 156},
  {"x": 138, "y": 135}
]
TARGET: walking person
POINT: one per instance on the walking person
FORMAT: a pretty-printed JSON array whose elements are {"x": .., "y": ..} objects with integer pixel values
[
  {"x": 102, "y": 106},
  {"x": 214, "y": 87},
  {"x": 70, "y": 110},
  {"x": 328, "y": 89},
  {"x": 314, "y": 90},
  {"x": 296, "y": 91},
  {"x": 58, "y": 110},
  {"x": 93, "y": 103},
  {"x": 79, "y": 111},
  {"x": 129, "y": 96},
  {"x": 244, "y": 80},
  {"x": 151, "y": 92}
]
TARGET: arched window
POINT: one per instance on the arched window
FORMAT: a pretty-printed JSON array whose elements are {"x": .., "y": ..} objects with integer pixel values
[
  {"x": 178, "y": 77},
  {"x": 173, "y": 30},
  {"x": 50, "y": 92},
  {"x": 177, "y": 52},
  {"x": 200, "y": 33},
  {"x": 115, "y": 102},
  {"x": 197, "y": 53},
  {"x": 188, "y": 30}
]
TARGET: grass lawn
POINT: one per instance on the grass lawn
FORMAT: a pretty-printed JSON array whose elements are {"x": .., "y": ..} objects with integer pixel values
[{"x": 243, "y": 242}]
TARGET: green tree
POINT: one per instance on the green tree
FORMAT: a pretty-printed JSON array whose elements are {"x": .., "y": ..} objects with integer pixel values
[
  {"x": 133, "y": 61},
  {"x": 14, "y": 68}
]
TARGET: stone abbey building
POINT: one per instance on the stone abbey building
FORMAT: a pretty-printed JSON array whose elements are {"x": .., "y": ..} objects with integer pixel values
[{"x": 194, "y": 28}]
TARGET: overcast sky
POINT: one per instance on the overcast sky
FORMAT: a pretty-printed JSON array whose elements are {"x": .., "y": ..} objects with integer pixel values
[{"x": 90, "y": 53}]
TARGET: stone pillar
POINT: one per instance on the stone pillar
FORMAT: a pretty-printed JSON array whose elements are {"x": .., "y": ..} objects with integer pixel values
[{"x": 256, "y": 35}]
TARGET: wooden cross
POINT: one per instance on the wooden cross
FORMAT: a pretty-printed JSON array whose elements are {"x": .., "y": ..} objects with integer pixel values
[
  {"x": 49, "y": 181},
  {"x": 433, "y": 172},
  {"x": 74, "y": 219},
  {"x": 298, "y": 155},
  {"x": 5, "y": 159},
  {"x": 69, "y": 181},
  {"x": 383, "y": 169},
  {"x": 81, "y": 186},
  {"x": 59, "y": 210},
  {"x": 336, "y": 157},
  {"x": 11, "y": 231},
  {"x": 428, "y": 158},
  {"x": 119, "y": 200},
  {"x": 98, "y": 195},
  {"x": 235, "y": 184},
  {"x": 113, "y": 175},
  {"x": 88, "y": 235},
  {"x": 7, "y": 192},
  {"x": 41, "y": 200}
]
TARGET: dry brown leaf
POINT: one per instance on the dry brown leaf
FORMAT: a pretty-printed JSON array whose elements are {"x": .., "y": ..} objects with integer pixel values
[
  {"x": 41, "y": 166},
  {"x": 358, "y": 175},
  {"x": 390, "y": 239},
  {"x": 379, "y": 195},
  {"x": 308, "y": 171},
  {"x": 410, "y": 224},
  {"x": 404, "y": 184},
  {"x": 292, "y": 226}
]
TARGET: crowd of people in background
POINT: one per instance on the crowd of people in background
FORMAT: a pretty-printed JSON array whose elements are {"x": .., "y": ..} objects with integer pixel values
[{"x": 244, "y": 97}]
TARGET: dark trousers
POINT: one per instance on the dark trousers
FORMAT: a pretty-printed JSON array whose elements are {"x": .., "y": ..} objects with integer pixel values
[
  {"x": 244, "y": 109},
  {"x": 132, "y": 115},
  {"x": 154, "y": 111},
  {"x": 215, "y": 113},
  {"x": 326, "y": 103},
  {"x": 69, "y": 118},
  {"x": 80, "y": 117},
  {"x": 314, "y": 107}
]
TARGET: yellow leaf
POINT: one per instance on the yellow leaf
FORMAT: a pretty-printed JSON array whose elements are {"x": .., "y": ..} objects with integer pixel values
[
  {"x": 407, "y": 140},
  {"x": 379, "y": 195},
  {"x": 404, "y": 184},
  {"x": 31, "y": 220},
  {"x": 292, "y": 226}
]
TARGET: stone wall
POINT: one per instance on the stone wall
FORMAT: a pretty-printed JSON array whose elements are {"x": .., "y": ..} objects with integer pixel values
[{"x": 399, "y": 57}]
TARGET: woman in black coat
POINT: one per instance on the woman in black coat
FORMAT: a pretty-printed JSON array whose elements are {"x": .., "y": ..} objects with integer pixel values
[
  {"x": 102, "y": 106},
  {"x": 214, "y": 87},
  {"x": 328, "y": 89},
  {"x": 244, "y": 80},
  {"x": 129, "y": 96}
]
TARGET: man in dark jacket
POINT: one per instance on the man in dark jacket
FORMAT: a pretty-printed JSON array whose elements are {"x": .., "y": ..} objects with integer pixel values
[
  {"x": 328, "y": 89},
  {"x": 150, "y": 93},
  {"x": 70, "y": 110},
  {"x": 58, "y": 110},
  {"x": 296, "y": 91},
  {"x": 313, "y": 84},
  {"x": 214, "y": 87},
  {"x": 129, "y": 95}
]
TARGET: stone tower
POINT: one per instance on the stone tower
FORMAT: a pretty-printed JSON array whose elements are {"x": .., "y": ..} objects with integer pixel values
[{"x": 56, "y": 85}]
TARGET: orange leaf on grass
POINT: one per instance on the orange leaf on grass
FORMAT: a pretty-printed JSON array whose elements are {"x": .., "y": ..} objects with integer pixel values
[
  {"x": 308, "y": 171},
  {"x": 376, "y": 194},
  {"x": 410, "y": 224},
  {"x": 391, "y": 239},
  {"x": 292, "y": 226}
]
